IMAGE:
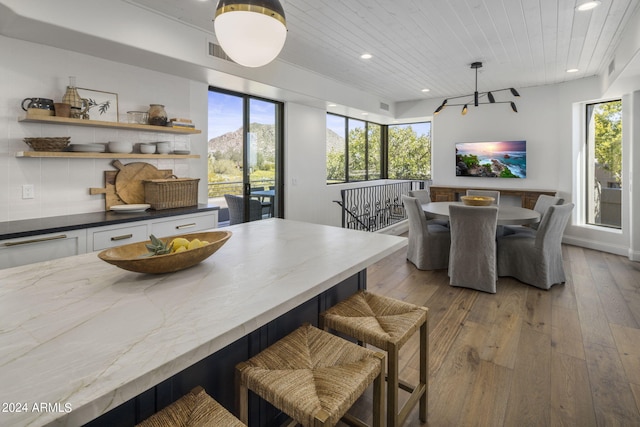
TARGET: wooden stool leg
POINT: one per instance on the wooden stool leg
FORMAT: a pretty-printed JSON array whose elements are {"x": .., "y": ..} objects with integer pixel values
[
  {"x": 378, "y": 395},
  {"x": 424, "y": 369},
  {"x": 321, "y": 322},
  {"x": 242, "y": 397},
  {"x": 392, "y": 386}
]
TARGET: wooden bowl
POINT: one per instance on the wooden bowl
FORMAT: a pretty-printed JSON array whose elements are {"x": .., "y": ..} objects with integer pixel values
[
  {"x": 477, "y": 200},
  {"x": 133, "y": 257}
]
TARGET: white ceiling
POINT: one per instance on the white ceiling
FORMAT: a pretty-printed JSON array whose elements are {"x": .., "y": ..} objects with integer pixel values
[{"x": 418, "y": 44}]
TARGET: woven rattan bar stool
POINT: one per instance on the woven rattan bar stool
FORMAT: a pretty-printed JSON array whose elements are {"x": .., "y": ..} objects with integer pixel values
[
  {"x": 314, "y": 377},
  {"x": 195, "y": 408},
  {"x": 388, "y": 324}
]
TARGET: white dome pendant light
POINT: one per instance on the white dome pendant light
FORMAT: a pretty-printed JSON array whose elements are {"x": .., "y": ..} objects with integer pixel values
[{"x": 251, "y": 32}]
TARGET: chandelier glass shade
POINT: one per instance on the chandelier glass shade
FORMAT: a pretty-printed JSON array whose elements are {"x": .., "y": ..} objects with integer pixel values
[
  {"x": 251, "y": 32},
  {"x": 478, "y": 97}
]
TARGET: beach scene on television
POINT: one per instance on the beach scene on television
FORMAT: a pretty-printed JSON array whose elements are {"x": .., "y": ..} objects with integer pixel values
[{"x": 498, "y": 159}]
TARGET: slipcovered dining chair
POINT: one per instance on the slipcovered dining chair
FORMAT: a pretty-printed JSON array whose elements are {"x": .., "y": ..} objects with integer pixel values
[
  {"x": 424, "y": 197},
  {"x": 428, "y": 247},
  {"x": 541, "y": 206},
  {"x": 536, "y": 259},
  {"x": 236, "y": 209},
  {"x": 487, "y": 193},
  {"x": 472, "y": 259}
]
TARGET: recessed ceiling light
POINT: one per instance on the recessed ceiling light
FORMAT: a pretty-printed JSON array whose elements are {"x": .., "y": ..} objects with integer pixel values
[
  {"x": 331, "y": 105},
  {"x": 366, "y": 56},
  {"x": 588, "y": 5},
  {"x": 572, "y": 70},
  {"x": 365, "y": 114},
  {"x": 425, "y": 90}
]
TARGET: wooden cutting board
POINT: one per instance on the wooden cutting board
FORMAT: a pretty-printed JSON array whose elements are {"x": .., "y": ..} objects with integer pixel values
[
  {"x": 130, "y": 177},
  {"x": 111, "y": 198},
  {"x": 109, "y": 190}
]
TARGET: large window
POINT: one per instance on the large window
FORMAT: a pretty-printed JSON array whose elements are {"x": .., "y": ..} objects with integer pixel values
[
  {"x": 355, "y": 150},
  {"x": 604, "y": 164},
  {"x": 374, "y": 138},
  {"x": 336, "y": 148},
  {"x": 410, "y": 151}
]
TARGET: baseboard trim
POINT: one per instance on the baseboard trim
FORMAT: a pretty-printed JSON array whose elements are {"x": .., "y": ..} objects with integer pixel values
[{"x": 599, "y": 246}]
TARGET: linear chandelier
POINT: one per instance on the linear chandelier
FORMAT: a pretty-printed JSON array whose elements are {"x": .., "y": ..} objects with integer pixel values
[{"x": 477, "y": 95}]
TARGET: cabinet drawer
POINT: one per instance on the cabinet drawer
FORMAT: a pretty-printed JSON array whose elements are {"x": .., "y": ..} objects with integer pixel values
[
  {"x": 43, "y": 247},
  {"x": 119, "y": 236},
  {"x": 185, "y": 224}
]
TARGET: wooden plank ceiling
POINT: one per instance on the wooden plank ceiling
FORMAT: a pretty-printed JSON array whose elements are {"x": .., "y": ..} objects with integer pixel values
[{"x": 418, "y": 44}]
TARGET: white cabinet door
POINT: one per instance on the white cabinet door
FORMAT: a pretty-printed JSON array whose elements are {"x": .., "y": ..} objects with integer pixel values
[
  {"x": 184, "y": 224},
  {"x": 43, "y": 247},
  {"x": 117, "y": 235}
]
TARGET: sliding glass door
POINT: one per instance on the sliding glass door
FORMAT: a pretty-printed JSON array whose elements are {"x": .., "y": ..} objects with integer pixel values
[{"x": 244, "y": 155}]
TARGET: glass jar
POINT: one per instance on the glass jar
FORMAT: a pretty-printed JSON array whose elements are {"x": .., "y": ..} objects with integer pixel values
[
  {"x": 157, "y": 115},
  {"x": 138, "y": 117}
]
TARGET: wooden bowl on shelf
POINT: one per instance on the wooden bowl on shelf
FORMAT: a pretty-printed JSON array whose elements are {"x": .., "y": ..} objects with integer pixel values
[
  {"x": 133, "y": 257},
  {"x": 477, "y": 200}
]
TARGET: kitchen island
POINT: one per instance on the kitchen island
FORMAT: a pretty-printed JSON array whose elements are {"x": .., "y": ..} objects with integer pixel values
[{"x": 81, "y": 337}]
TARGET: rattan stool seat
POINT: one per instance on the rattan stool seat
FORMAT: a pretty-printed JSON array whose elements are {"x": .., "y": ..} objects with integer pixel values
[
  {"x": 195, "y": 409},
  {"x": 312, "y": 376},
  {"x": 386, "y": 323}
]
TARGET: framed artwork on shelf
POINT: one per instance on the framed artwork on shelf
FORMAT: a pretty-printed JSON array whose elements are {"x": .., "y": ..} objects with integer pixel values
[{"x": 102, "y": 106}]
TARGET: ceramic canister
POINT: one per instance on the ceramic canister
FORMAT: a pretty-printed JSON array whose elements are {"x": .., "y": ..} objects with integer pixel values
[{"x": 157, "y": 115}]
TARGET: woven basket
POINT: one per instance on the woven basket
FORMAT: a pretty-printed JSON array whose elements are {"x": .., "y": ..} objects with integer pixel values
[
  {"x": 48, "y": 144},
  {"x": 171, "y": 192}
]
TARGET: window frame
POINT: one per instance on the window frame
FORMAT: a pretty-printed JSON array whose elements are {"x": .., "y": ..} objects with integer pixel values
[
  {"x": 383, "y": 160},
  {"x": 279, "y": 120},
  {"x": 589, "y": 159}
]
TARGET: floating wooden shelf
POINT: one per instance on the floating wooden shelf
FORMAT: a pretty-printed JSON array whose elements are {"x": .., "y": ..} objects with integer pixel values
[
  {"x": 113, "y": 125},
  {"x": 78, "y": 155}
]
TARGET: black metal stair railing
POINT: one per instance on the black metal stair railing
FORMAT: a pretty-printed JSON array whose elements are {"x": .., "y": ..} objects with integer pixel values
[{"x": 374, "y": 207}]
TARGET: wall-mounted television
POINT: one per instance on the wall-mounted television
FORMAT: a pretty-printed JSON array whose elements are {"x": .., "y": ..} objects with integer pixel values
[{"x": 492, "y": 159}]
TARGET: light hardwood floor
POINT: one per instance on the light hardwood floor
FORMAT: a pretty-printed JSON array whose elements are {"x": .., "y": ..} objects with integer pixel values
[{"x": 569, "y": 356}]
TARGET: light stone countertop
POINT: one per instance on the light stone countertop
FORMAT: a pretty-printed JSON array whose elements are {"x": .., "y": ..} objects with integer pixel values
[{"x": 82, "y": 336}]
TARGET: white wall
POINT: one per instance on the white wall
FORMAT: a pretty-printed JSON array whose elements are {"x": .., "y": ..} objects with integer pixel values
[
  {"x": 304, "y": 162},
  {"x": 550, "y": 119},
  {"x": 62, "y": 185}
]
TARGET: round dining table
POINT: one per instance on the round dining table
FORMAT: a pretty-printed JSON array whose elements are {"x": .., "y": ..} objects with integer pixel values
[{"x": 507, "y": 215}]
